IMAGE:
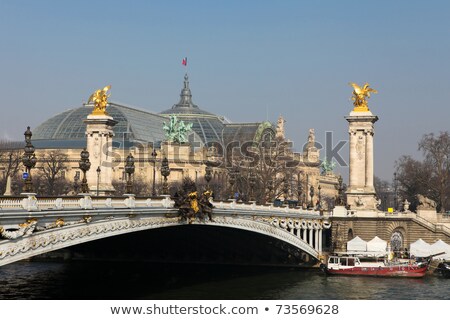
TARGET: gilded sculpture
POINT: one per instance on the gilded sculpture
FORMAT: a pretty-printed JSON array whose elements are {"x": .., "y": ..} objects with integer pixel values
[
  {"x": 360, "y": 96},
  {"x": 100, "y": 100}
]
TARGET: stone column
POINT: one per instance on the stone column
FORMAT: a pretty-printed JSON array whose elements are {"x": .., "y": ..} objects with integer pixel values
[
  {"x": 352, "y": 145},
  {"x": 369, "y": 160},
  {"x": 305, "y": 235},
  {"x": 311, "y": 241},
  {"x": 360, "y": 192},
  {"x": 316, "y": 238},
  {"x": 320, "y": 240},
  {"x": 99, "y": 136}
]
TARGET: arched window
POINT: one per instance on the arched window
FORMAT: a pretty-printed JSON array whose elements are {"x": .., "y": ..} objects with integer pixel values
[{"x": 396, "y": 241}]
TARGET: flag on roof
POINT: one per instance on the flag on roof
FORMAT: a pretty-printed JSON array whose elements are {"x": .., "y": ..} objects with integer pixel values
[{"x": 184, "y": 62}]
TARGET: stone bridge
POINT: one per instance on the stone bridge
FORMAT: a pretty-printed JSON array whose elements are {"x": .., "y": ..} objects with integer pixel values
[{"x": 31, "y": 226}]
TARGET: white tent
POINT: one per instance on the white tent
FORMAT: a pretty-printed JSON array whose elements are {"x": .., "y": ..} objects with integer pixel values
[
  {"x": 356, "y": 244},
  {"x": 420, "y": 249},
  {"x": 377, "y": 245},
  {"x": 440, "y": 246}
]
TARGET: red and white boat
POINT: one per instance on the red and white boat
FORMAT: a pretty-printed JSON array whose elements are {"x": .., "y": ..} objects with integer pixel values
[{"x": 352, "y": 266}]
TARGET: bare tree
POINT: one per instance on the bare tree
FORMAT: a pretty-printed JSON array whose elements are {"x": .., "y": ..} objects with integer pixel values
[
  {"x": 265, "y": 170},
  {"x": 51, "y": 168},
  {"x": 414, "y": 177},
  {"x": 436, "y": 150},
  {"x": 384, "y": 192},
  {"x": 10, "y": 161}
]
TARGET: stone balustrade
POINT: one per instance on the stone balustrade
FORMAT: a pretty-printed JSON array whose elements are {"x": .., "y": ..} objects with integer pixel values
[{"x": 33, "y": 203}]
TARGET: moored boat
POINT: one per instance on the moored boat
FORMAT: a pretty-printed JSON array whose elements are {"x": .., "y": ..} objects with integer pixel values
[
  {"x": 444, "y": 269},
  {"x": 352, "y": 266}
]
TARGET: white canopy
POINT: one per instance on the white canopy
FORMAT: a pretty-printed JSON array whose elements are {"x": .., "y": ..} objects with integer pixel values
[
  {"x": 440, "y": 246},
  {"x": 377, "y": 245},
  {"x": 420, "y": 249},
  {"x": 356, "y": 244}
]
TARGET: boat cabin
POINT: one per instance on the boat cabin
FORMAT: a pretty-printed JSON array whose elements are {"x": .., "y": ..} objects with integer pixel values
[{"x": 338, "y": 262}]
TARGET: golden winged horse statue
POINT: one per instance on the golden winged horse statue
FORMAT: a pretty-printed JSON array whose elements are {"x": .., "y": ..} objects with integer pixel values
[
  {"x": 100, "y": 100},
  {"x": 360, "y": 96}
]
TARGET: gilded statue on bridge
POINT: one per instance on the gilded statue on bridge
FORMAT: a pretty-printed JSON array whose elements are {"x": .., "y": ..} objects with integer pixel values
[
  {"x": 360, "y": 96},
  {"x": 100, "y": 100}
]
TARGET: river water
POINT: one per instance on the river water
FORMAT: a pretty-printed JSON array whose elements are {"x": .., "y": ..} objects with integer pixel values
[{"x": 144, "y": 280}]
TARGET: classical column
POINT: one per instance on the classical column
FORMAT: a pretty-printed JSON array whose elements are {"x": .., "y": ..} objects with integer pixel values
[
  {"x": 369, "y": 159},
  {"x": 316, "y": 238},
  {"x": 320, "y": 240},
  {"x": 352, "y": 145},
  {"x": 311, "y": 241},
  {"x": 305, "y": 235}
]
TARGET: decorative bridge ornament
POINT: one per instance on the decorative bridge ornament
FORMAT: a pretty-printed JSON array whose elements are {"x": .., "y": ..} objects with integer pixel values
[{"x": 31, "y": 226}]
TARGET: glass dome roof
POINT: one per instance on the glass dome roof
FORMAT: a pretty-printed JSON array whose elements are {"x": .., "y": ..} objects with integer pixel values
[
  {"x": 207, "y": 126},
  {"x": 132, "y": 124},
  {"x": 67, "y": 129}
]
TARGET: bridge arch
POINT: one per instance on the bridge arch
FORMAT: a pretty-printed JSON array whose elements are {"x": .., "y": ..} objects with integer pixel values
[{"x": 302, "y": 234}]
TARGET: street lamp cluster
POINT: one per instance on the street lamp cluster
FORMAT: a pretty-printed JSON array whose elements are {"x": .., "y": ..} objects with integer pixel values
[
  {"x": 129, "y": 170},
  {"x": 165, "y": 171},
  {"x": 84, "y": 164},
  {"x": 29, "y": 161}
]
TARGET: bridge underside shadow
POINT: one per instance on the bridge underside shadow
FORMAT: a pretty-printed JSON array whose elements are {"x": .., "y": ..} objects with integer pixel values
[{"x": 193, "y": 244}]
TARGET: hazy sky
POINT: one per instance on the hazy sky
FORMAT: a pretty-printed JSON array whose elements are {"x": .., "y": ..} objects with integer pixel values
[{"x": 247, "y": 60}]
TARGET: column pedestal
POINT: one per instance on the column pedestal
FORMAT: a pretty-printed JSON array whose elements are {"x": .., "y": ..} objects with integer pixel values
[
  {"x": 99, "y": 136},
  {"x": 360, "y": 192}
]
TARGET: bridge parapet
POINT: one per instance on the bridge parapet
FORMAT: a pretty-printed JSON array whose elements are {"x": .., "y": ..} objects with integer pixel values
[
  {"x": 233, "y": 205},
  {"x": 32, "y": 203}
]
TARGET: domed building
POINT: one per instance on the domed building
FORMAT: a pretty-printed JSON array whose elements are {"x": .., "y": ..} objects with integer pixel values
[
  {"x": 139, "y": 132},
  {"x": 68, "y": 130}
]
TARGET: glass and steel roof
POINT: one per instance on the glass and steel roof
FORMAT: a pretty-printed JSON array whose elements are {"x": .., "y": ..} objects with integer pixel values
[
  {"x": 67, "y": 129},
  {"x": 206, "y": 125},
  {"x": 132, "y": 124}
]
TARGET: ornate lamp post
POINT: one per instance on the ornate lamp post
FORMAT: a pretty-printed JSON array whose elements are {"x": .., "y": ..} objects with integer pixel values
[
  {"x": 319, "y": 198},
  {"x": 84, "y": 165},
  {"x": 98, "y": 178},
  {"x": 154, "y": 154},
  {"x": 270, "y": 187},
  {"x": 165, "y": 171},
  {"x": 233, "y": 173},
  {"x": 286, "y": 189},
  {"x": 75, "y": 183},
  {"x": 231, "y": 181},
  {"x": 252, "y": 183},
  {"x": 129, "y": 170},
  {"x": 208, "y": 175},
  {"x": 29, "y": 160},
  {"x": 311, "y": 194},
  {"x": 299, "y": 191}
]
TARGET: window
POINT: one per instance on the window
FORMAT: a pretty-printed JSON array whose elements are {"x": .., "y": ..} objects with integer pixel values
[{"x": 396, "y": 241}]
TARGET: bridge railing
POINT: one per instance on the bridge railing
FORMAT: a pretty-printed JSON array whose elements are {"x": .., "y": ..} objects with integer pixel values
[
  {"x": 32, "y": 203},
  {"x": 254, "y": 207}
]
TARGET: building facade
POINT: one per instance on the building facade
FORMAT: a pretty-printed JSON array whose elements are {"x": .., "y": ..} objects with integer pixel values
[{"x": 140, "y": 133}]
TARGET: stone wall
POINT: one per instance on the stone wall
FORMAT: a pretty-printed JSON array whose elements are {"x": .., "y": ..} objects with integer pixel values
[{"x": 411, "y": 228}]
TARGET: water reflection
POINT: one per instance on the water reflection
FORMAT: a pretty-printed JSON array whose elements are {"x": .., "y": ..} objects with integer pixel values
[{"x": 146, "y": 280}]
